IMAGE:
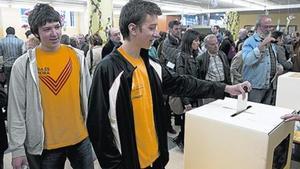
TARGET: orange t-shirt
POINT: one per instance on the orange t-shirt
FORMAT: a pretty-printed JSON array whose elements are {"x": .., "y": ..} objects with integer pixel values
[
  {"x": 59, "y": 80},
  {"x": 141, "y": 97}
]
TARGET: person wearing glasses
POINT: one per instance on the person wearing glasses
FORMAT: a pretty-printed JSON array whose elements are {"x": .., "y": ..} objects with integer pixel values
[{"x": 260, "y": 62}]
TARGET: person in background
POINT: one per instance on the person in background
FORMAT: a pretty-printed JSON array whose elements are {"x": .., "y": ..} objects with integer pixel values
[
  {"x": 31, "y": 41},
  {"x": 113, "y": 42},
  {"x": 162, "y": 37},
  {"x": 216, "y": 30},
  {"x": 154, "y": 47},
  {"x": 74, "y": 42},
  {"x": 251, "y": 32},
  {"x": 296, "y": 58},
  {"x": 65, "y": 39},
  {"x": 153, "y": 52},
  {"x": 283, "y": 57},
  {"x": 168, "y": 50},
  {"x": 213, "y": 64},
  {"x": 82, "y": 43},
  {"x": 201, "y": 48},
  {"x": 261, "y": 67},
  {"x": 228, "y": 46},
  {"x": 236, "y": 67},
  {"x": 10, "y": 49},
  {"x": 242, "y": 36},
  {"x": 125, "y": 120},
  {"x": 93, "y": 56},
  {"x": 186, "y": 65},
  {"x": 47, "y": 104}
]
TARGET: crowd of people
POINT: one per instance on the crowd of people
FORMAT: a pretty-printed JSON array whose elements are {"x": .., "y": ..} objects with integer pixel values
[{"x": 69, "y": 94}]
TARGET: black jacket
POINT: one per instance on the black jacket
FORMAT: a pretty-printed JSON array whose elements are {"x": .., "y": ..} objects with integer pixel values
[
  {"x": 108, "y": 48},
  {"x": 168, "y": 50},
  {"x": 110, "y": 119},
  {"x": 186, "y": 64}
]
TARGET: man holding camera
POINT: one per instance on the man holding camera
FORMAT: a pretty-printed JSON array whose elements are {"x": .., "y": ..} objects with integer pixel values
[{"x": 260, "y": 62}]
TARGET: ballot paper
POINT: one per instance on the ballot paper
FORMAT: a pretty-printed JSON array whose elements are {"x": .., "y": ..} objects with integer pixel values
[{"x": 241, "y": 103}]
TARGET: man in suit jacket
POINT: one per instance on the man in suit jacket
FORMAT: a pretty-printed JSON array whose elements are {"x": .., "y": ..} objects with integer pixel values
[{"x": 114, "y": 41}]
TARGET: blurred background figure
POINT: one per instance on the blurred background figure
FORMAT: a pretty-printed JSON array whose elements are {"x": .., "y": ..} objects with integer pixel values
[
  {"x": 82, "y": 43},
  {"x": 162, "y": 37},
  {"x": 296, "y": 58},
  {"x": 186, "y": 65},
  {"x": 281, "y": 50},
  {"x": 74, "y": 42},
  {"x": 65, "y": 39},
  {"x": 114, "y": 41},
  {"x": 228, "y": 46},
  {"x": 31, "y": 41},
  {"x": 213, "y": 64},
  {"x": 242, "y": 36},
  {"x": 94, "y": 56},
  {"x": 216, "y": 30},
  {"x": 10, "y": 49}
]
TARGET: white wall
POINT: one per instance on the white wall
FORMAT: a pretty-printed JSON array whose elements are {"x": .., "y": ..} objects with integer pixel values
[{"x": 11, "y": 17}]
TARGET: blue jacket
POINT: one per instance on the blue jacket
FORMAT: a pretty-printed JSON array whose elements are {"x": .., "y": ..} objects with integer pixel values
[{"x": 257, "y": 64}]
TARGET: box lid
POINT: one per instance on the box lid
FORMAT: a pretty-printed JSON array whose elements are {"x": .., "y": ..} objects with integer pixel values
[{"x": 260, "y": 117}]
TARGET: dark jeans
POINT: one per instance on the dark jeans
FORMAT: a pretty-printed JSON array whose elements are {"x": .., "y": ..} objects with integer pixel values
[{"x": 80, "y": 156}]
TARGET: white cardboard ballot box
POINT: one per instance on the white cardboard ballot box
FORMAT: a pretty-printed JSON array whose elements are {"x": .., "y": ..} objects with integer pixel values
[
  {"x": 288, "y": 92},
  {"x": 254, "y": 139}
]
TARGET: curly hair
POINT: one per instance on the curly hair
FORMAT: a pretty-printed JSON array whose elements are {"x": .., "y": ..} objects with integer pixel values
[{"x": 40, "y": 15}]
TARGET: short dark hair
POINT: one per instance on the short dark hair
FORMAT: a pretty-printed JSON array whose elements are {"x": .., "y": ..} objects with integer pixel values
[
  {"x": 65, "y": 39},
  {"x": 276, "y": 34},
  {"x": 172, "y": 23},
  {"x": 74, "y": 42},
  {"x": 217, "y": 26},
  {"x": 27, "y": 33},
  {"x": 229, "y": 35},
  {"x": 40, "y": 15},
  {"x": 10, "y": 31},
  {"x": 135, "y": 12},
  {"x": 187, "y": 40}
]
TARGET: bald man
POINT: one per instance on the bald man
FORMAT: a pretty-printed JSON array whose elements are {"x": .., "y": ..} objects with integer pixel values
[{"x": 114, "y": 41}]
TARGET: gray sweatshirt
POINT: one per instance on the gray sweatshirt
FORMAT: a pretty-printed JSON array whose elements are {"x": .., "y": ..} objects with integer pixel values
[{"x": 25, "y": 117}]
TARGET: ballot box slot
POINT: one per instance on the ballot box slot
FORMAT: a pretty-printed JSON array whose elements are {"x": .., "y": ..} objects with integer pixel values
[{"x": 239, "y": 112}]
